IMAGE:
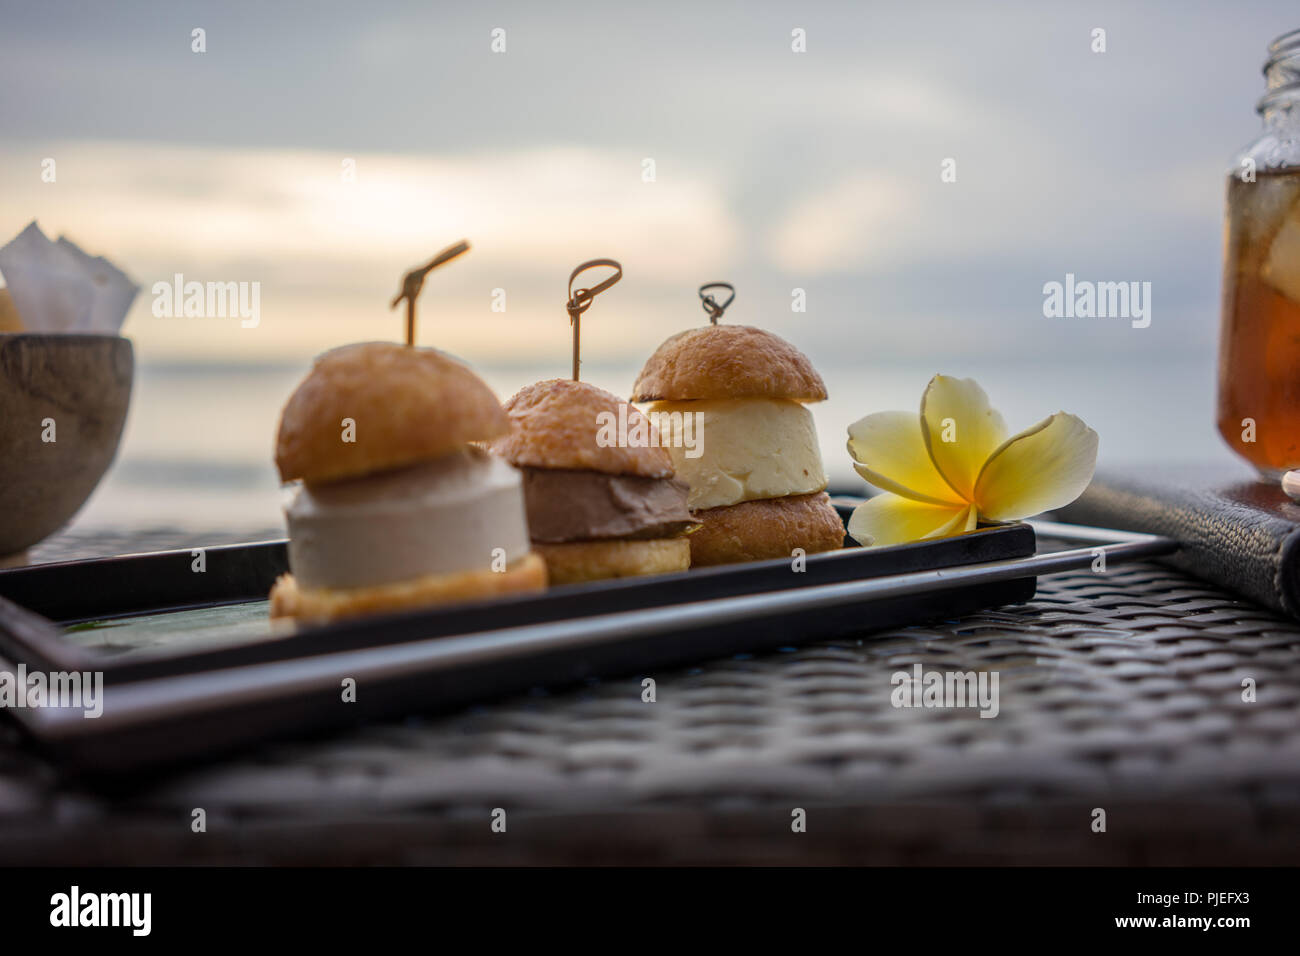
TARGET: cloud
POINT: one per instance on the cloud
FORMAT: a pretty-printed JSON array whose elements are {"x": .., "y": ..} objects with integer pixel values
[
  {"x": 541, "y": 205},
  {"x": 327, "y": 250},
  {"x": 878, "y": 220},
  {"x": 842, "y": 226}
]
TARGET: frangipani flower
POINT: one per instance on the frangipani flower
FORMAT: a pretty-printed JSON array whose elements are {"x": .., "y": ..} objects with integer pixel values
[{"x": 954, "y": 465}]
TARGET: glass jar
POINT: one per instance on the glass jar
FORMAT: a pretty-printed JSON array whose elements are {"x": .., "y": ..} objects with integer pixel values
[{"x": 1259, "y": 339}]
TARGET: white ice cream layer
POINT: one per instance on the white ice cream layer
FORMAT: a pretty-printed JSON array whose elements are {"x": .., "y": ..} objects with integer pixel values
[
  {"x": 750, "y": 448},
  {"x": 439, "y": 517}
]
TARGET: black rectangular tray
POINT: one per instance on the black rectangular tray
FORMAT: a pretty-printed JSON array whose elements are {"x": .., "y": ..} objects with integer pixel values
[{"x": 172, "y": 706}]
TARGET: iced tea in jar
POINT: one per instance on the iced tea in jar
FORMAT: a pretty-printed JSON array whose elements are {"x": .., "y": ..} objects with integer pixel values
[{"x": 1259, "y": 344}]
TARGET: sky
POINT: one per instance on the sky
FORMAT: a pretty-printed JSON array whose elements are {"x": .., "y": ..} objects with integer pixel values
[
  {"x": 773, "y": 169},
  {"x": 321, "y": 149}
]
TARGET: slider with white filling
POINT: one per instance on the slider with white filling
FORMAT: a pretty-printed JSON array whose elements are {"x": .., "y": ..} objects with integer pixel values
[
  {"x": 757, "y": 485},
  {"x": 397, "y": 508}
]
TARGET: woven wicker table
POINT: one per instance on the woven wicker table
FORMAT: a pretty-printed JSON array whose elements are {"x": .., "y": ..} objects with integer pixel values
[{"x": 1121, "y": 691}]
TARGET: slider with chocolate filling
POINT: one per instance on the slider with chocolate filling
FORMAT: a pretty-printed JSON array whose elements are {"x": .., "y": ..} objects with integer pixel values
[
  {"x": 595, "y": 510},
  {"x": 602, "y": 501},
  {"x": 757, "y": 485}
]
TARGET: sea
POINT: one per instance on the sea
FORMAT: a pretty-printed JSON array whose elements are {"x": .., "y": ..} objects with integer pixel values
[{"x": 197, "y": 451}]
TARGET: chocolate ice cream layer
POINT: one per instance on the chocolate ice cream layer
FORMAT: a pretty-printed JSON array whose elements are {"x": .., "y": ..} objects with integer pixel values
[{"x": 566, "y": 505}]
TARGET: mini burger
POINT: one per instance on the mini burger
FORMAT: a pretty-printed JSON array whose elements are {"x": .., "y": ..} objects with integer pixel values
[
  {"x": 596, "y": 508},
  {"x": 397, "y": 507},
  {"x": 757, "y": 485}
]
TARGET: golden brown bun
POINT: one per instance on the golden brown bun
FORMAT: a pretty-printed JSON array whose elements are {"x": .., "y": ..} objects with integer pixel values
[
  {"x": 766, "y": 528},
  {"x": 555, "y": 425},
  {"x": 727, "y": 361},
  {"x": 10, "y": 321},
  {"x": 409, "y": 405},
  {"x": 579, "y": 561},
  {"x": 328, "y": 604}
]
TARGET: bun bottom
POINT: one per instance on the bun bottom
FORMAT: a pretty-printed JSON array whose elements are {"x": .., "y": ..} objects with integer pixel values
[
  {"x": 317, "y": 605},
  {"x": 766, "y": 528},
  {"x": 577, "y": 561}
]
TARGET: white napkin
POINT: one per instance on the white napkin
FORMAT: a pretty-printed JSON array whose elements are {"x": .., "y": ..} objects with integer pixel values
[{"x": 58, "y": 288}]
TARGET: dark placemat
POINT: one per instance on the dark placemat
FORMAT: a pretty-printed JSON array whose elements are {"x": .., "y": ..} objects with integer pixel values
[{"x": 1120, "y": 692}]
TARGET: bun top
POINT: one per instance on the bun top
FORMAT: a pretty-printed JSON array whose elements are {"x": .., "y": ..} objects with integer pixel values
[
  {"x": 727, "y": 361},
  {"x": 566, "y": 424},
  {"x": 407, "y": 404}
]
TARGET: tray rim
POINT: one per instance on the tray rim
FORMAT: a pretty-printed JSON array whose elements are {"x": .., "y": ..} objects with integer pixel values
[{"x": 36, "y": 637}]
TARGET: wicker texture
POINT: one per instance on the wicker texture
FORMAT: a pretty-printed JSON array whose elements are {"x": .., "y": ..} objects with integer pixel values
[{"x": 1121, "y": 691}]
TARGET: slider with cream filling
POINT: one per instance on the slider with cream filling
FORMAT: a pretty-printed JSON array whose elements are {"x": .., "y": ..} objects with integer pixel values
[{"x": 757, "y": 485}]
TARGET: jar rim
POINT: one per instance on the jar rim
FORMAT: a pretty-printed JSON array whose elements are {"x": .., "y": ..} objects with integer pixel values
[
  {"x": 1285, "y": 49},
  {"x": 1287, "y": 42}
]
